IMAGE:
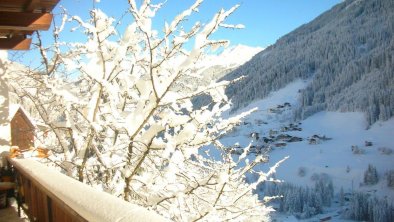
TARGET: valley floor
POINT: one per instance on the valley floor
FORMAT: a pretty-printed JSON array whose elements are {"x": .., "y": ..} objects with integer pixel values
[{"x": 340, "y": 145}]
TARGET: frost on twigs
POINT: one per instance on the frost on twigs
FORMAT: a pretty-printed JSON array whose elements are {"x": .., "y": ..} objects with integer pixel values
[{"x": 123, "y": 123}]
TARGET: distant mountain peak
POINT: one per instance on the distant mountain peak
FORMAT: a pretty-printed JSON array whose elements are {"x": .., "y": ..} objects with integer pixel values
[
  {"x": 230, "y": 57},
  {"x": 239, "y": 54}
]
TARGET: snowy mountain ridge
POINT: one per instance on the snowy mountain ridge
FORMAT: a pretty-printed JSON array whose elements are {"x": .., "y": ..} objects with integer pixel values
[
  {"x": 215, "y": 66},
  {"x": 231, "y": 57}
]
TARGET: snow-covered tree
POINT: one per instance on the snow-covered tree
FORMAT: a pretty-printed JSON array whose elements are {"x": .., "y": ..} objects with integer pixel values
[
  {"x": 390, "y": 178},
  {"x": 358, "y": 208},
  {"x": 363, "y": 207},
  {"x": 304, "y": 202},
  {"x": 118, "y": 120},
  {"x": 371, "y": 175},
  {"x": 341, "y": 197},
  {"x": 325, "y": 189}
]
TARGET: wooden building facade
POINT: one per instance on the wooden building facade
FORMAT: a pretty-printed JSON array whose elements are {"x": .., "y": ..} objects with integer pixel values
[{"x": 22, "y": 130}]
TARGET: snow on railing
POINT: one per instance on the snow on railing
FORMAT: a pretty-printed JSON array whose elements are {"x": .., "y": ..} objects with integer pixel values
[{"x": 52, "y": 196}]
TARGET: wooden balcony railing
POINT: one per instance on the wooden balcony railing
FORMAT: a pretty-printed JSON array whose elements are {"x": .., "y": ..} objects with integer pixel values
[{"x": 47, "y": 195}]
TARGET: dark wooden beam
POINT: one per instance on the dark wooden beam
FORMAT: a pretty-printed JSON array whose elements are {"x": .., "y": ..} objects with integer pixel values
[
  {"x": 9, "y": 32},
  {"x": 30, "y": 5},
  {"x": 15, "y": 43},
  {"x": 25, "y": 21},
  {"x": 27, "y": 5}
]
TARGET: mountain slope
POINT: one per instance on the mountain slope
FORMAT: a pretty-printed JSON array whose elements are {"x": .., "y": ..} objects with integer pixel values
[
  {"x": 347, "y": 52},
  {"x": 214, "y": 66}
]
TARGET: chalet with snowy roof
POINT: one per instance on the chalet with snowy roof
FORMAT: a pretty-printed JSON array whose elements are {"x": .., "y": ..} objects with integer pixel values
[
  {"x": 22, "y": 128},
  {"x": 17, "y": 129}
]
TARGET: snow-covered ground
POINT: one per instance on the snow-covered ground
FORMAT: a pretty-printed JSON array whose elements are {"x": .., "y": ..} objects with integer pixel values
[
  {"x": 335, "y": 156},
  {"x": 335, "y": 134}
]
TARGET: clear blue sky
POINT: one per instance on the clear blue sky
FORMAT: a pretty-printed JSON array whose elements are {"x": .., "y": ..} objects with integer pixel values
[{"x": 265, "y": 20}]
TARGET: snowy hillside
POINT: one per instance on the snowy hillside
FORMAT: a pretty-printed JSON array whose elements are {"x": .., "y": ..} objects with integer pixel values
[
  {"x": 347, "y": 52},
  {"x": 327, "y": 143}
]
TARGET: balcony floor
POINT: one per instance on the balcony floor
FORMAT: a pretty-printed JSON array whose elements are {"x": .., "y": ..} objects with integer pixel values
[{"x": 10, "y": 214}]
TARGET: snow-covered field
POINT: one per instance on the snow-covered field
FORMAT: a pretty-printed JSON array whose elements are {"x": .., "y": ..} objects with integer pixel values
[
  {"x": 331, "y": 149},
  {"x": 335, "y": 156}
]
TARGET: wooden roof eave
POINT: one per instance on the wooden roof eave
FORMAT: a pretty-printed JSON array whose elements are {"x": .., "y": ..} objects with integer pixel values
[
  {"x": 15, "y": 43},
  {"x": 36, "y": 6},
  {"x": 20, "y": 18},
  {"x": 25, "y": 21}
]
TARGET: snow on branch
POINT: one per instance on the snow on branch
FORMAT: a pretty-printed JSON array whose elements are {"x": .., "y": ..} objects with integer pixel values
[
  {"x": 238, "y": 26},
  {"x": 125, "y": 123}
]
